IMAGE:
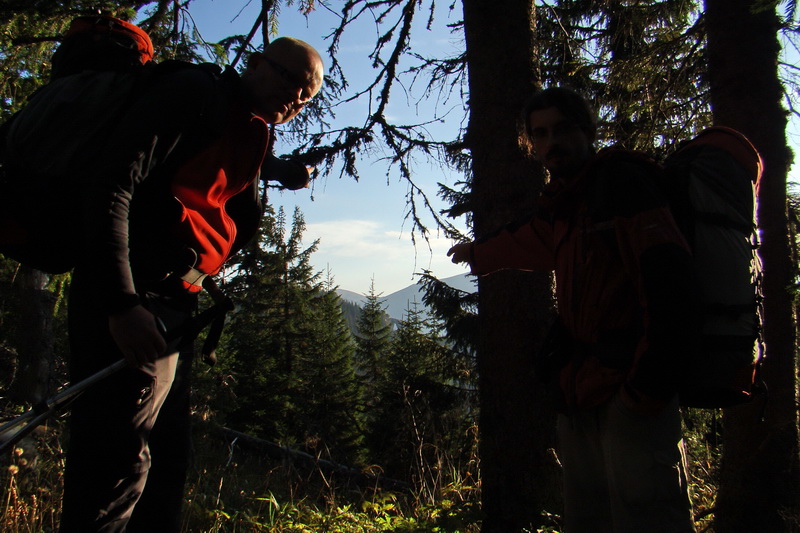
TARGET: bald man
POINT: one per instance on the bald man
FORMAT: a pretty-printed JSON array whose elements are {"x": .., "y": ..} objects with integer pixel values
[{"x": 171, "y": 196}]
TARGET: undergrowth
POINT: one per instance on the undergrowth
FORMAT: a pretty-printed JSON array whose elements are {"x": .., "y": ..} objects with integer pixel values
[{"x": 232, "y": 490}]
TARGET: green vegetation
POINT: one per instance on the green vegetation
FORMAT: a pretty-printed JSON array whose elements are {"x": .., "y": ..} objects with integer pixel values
[{"x": 233, "y": 488}]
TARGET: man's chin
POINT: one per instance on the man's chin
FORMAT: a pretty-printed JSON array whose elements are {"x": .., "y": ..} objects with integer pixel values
[
  {"x": 272, "y": 117},
  {"x": 564, "y": 174},
  {"x": 276, "y": 117}
]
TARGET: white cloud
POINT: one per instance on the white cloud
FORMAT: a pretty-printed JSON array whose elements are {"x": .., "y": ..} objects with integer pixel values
[{"x": 356, "y": 251}]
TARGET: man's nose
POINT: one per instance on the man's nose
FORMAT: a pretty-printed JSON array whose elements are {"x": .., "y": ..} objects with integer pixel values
[{"x": 294, "y": 95}]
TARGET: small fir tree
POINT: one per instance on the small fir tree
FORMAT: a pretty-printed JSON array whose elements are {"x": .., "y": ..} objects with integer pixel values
[
  {"x": 373, "y": 338},
  {"x": 328, "y": 394},
  {"x": 273, "y": 285},
  {"x": 421, "y": 414}
]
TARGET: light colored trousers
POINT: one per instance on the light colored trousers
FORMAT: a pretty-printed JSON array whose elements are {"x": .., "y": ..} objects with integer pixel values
[{"x": 624, "y": 472}]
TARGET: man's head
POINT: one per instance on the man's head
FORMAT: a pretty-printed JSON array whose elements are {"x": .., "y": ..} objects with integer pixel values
[
  {"x": 282, "y": 79},
  {"x": 561, "y": 127}
]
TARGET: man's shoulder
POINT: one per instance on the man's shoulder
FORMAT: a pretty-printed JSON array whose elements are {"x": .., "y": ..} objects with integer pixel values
[
  {"x": 624, "y": 161},
  {"x": 187, "y": 79},
  {"x": 181, "y": 92},
  {"x": 628, "y": 180}
]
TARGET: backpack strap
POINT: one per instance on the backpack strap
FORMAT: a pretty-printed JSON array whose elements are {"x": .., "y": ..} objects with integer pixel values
[
  {"x": 605, "y": 167},
  {"x": 718, "y": 219}
]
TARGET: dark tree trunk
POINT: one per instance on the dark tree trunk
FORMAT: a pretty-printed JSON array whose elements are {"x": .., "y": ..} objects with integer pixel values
[
  {"x": 760, "y": 483},
  {"x": 33, "y": 337},
  {"x": 519, "y": 476}
]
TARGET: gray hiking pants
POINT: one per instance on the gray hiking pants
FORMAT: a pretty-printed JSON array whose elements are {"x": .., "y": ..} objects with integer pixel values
[
  {"x": 129, "y": 435},
  {"x": 624, "y": 472}
]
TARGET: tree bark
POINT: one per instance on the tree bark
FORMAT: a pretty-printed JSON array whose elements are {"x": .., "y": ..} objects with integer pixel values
[
  {"x": 760, "y": 479},
  {"x": 519, "y": 475},
  {"x": 33, "y": 334}
]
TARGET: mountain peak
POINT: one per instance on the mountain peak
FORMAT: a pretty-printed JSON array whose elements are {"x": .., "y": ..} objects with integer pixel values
[{"x": 398, "y": 302}]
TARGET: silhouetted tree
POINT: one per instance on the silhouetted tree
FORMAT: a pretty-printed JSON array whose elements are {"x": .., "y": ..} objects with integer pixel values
[{"x": 760, "y": 469}]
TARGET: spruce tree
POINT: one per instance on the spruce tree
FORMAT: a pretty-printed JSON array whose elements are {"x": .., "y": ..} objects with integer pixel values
[
  {"x": 273, "y": 283},
  {"x": 641, "y": 63},
  {"x": 421, "y": 413},
  {"x": 289, "y": 351},
  {"x": 373, "y": 340},
  {"x": 327, "y": 392},
  {"x": 760, "y": 471}
]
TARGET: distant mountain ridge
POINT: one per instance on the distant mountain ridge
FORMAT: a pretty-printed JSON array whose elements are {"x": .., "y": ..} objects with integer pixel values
[{"x": 398, "y": 302}]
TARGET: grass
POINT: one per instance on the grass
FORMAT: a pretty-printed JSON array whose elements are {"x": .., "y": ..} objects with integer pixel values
[
  {"x": 233, "y": 491},
  {"x": 31, "y": 483},
  {"x": 703, "y": 449}
]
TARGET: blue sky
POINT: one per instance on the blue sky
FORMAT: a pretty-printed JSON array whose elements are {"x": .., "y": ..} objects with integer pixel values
[{"x": 360, "y": 225}]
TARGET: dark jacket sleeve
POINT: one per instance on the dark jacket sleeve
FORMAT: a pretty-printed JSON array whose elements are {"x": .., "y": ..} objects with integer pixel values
[{"x": 246, "y": 209}]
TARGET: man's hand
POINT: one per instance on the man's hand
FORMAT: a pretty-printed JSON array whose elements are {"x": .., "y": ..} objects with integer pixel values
[
  {"x": 461, "y": 253},
  {"x": 137, "y": 335},
  {"x": 290, "y": 173},
  {"x": 639, "y": 402}
]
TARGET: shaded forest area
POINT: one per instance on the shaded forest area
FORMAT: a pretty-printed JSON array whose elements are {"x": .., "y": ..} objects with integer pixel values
[{"x": 438, "y": 424}]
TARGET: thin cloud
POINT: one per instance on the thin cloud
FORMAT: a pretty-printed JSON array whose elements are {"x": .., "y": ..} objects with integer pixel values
[{"x": 357, "y": 251}]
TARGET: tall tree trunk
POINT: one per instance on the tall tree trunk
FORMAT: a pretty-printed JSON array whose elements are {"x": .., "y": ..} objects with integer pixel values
[
  {"x": 33, "y": 337},
  {"x": 517, "y": 424},
  {"x": 760, "y": 482}
]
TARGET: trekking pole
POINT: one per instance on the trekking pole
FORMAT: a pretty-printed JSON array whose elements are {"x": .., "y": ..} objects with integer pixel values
[{"x": 44, "y": 410}]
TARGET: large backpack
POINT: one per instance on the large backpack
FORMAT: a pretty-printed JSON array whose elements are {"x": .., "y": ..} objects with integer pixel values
[
  {"x": 101, "y": 43},
  {"x": 46, "y": 147},
  {"x": 711, "y": 183}
]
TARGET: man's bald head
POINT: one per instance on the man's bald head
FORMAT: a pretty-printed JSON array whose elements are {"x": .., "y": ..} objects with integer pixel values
[{"x": 283, "y": 78}]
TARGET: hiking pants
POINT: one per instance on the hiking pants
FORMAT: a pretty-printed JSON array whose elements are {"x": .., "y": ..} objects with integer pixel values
[
  {"x": 129, "y": 435},
  {"x": 624, "y": 472}
]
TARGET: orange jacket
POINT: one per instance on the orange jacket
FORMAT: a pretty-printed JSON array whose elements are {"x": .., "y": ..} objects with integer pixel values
[{"x": 622, "y": 270}]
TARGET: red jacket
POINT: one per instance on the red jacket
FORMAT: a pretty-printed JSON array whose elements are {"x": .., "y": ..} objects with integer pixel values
[
  {"x": 205, "y": 183},
  {"x": 622, "y": 271}
]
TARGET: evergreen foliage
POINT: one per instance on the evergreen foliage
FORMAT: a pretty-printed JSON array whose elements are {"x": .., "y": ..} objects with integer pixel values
[
  {"x": 288, "y": 370},
  {"x": 351, "y": 313},
  {"x": 641, "y": 63},
  {"x": 422, "y": 410},
  {"x": 373, "y": 339},
  {"x": 457, "y": 311},
  {"x": 254, "y": 350},
  {"x": 289, "y": 351},
  {"x": 327, "y": 391}
]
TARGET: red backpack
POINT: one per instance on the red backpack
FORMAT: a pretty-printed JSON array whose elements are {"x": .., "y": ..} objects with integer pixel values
[{"x": 101, "y": 43}]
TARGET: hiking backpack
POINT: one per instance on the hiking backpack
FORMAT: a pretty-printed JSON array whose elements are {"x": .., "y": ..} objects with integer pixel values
[
  {"x": 45, "y": 147},
  {"x": 711, "y": 183},
  {"x": 101, "y": 43}
]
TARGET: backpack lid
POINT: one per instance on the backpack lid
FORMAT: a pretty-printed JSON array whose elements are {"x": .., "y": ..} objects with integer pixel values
[
  {"x": 114, "y": 27},
  {"x": 736, "y": 144}
]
